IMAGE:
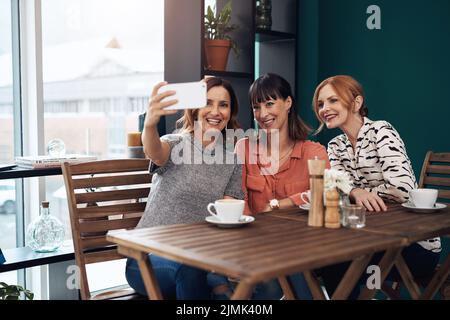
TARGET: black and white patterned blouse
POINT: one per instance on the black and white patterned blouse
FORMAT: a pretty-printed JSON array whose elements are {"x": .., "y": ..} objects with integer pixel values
[{"x": 379, "y": 163}]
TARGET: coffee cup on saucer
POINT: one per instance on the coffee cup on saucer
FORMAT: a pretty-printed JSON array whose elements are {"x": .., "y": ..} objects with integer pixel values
[
  {"x": 227, "y": 210},
  {"x": 306, "y": 197},
  {"x": 423, "y": 198}
]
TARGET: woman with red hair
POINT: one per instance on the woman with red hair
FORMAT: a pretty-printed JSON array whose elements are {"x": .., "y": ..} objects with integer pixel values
[{"x": 374, "y": 156}]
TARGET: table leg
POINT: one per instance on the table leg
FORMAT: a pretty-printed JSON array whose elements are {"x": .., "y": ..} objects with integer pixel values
[
  {"x": 386, "y": 264},
  {"x": 147, "y": 273},
  {"x": 243, "y": 291},
  {"x": 314, "y": 286},
  {"x": 351, "y": 277},
  {"x": 288, "y": 288},
  {"x": 407, "y": 277},
  {"x": 438, "y": 279}
]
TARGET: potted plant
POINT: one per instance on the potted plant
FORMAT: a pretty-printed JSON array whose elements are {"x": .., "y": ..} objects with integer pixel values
[
  {"x": 217, "y": 39},
  {"x": 13, "y": 292}
]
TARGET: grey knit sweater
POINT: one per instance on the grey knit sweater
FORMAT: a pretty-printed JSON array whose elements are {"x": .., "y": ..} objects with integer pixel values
[{"x": 181, "y": 191}]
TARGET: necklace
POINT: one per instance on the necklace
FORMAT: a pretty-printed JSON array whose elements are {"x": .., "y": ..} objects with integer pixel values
[{"x": 287, "y": 153}]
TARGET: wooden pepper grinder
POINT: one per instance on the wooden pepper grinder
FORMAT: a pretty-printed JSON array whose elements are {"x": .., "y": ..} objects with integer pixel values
[
  {"x": 316, "y": 170},
  {"x": 332, "y": 219}
]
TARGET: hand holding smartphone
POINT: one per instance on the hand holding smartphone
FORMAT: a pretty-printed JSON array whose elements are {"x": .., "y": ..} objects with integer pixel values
[{"x": 190, "y": 95}]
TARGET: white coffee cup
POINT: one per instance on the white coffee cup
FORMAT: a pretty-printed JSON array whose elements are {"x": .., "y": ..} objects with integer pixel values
[
  {"x": 423, "y": 198},
  {"x": 306, "y": 196},
  {"x": 227, "y": 210}
]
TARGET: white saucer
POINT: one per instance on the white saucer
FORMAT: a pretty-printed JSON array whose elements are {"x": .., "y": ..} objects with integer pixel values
[
  {"x": 437, "y": 207},
  {"x": 244, "y": 220},
  {"x": 305, "y": 206}
]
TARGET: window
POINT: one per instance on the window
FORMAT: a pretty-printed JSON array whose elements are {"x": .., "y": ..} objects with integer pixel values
[
  {"x": 101, "y": 59},
  {"x": 7, "y": 187}
]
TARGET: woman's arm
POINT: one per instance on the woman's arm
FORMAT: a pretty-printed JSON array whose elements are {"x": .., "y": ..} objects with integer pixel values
[
  {"x": 371, "y": 201},
  {"x": 155, "y": 149},
  {"x": 397, "y": 171}
]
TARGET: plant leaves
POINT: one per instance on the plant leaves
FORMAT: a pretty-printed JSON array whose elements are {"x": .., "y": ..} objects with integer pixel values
[{"x": 218, "y": 26}]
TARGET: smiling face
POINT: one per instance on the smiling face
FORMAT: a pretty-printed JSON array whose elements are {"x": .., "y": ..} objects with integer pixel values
[
  {"x": 217, "y": 112},
  {"x": 331, "y": 109},
  {"x": 272, "y": 114}
]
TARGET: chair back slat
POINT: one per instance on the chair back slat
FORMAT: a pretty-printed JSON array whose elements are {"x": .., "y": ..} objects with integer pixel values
[
  {"x": 437, "y": 181},
  {"x": 106, "y": 225},
  {"x": 95, "y": 242},
  {"x": 112, "y": 180},
  {"x": 436, "y": 174},
  {"x": 102, "y": 256},
  {"x": 110, "y": 166},
  {"x": 440, "y": 157},
  {"x": 444, "y": 194},
  {"x": 102, "y": 196},
  {"x": 110, "y": 210},
  {"x": 438, "y": 169}
]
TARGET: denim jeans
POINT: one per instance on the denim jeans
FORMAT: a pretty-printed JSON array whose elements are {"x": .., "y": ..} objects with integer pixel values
[
  {"x": 176, "y": 280},
  {"x": 269, "y": 290}
]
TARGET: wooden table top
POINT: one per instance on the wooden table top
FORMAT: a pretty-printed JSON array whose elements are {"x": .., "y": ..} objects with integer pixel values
[
  {"x": 266, "y": 248},
  {"x": 396, "y": 221},
  {"x": 414, "y": 226}
]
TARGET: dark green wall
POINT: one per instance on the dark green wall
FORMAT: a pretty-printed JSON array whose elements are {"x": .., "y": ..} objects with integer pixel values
[{"x": 404, "y": 67}]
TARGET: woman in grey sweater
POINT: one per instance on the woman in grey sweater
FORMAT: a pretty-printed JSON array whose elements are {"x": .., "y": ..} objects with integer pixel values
[{"x": 190, "y": 169}]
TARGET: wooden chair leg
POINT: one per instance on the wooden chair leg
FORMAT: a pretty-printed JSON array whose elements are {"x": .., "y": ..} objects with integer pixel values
[
  {"x": 351, "y": 277},
  {"x": 386, "y": 264},
  {"x": 243, "y": 291},
  {"x": 436, "y": 282},
  {"x": 407, "y": 278},
  {"x": 314, "y": 286},
  {"x": 288, "y": 288},
  {"x": 147, "y": 273}
]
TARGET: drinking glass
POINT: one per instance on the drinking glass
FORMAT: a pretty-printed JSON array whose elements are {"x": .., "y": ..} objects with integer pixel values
[{"x": 353, "y": 216}]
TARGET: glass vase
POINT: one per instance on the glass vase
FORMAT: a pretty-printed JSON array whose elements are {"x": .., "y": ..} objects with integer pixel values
[{"x": 45, "y": 234}]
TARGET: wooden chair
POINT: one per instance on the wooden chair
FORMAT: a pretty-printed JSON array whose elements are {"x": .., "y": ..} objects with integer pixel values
[
  {"x": 102, "y": 196},
  {"x": 435, "y": 174}
]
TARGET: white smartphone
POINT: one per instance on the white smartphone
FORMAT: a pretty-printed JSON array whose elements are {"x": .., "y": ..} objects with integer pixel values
[{"x": 190, "y": 95}]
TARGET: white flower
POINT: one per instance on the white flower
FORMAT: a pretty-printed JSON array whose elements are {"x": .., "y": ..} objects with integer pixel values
[{"x": 337, "y": 179}]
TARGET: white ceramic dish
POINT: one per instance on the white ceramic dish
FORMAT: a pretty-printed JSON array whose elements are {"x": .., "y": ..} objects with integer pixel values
[
  {"x": 305, "y": 206},
  {"x": 437, "y": 207}
]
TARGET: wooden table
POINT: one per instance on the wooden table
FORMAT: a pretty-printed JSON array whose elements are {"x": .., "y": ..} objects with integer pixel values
[
  {"x": 410, "y": 226},
  {"x": 413, "y": 227},
  {"x": 270, "y": 247}
]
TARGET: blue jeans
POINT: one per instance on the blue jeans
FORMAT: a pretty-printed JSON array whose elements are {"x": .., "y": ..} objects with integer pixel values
[
  {"x": 176, "y": 280},
  {"x": 270, "y": 290}
]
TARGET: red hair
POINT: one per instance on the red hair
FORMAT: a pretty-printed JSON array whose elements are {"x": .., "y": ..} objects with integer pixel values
[{"x": 347, "y": 90}]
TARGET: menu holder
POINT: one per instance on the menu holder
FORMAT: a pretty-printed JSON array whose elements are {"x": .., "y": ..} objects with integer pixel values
[{"x": 316, "y": 170}]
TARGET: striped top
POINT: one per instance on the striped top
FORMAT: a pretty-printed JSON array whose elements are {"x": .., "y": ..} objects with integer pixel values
[{"x": 379, "y": 163}]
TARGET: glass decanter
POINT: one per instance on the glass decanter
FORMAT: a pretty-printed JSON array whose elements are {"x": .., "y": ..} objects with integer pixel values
[{"x": 46, "y": 233}]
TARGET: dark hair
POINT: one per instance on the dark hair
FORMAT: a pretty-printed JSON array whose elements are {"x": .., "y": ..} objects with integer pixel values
[
  {"x": 273, "y": 86},
  {"x": 347, "y": 88},
  {"x": 186, "y": 122}
]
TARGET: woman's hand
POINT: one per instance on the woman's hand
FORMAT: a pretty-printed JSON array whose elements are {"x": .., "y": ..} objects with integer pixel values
[
  {"x": 267, "y": 208},
  {"x": 156, "y": 108},
  {"x": 370, "y": 200}
]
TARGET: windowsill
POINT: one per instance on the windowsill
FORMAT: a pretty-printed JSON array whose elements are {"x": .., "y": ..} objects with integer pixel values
[{"x": 24, "y": 257}]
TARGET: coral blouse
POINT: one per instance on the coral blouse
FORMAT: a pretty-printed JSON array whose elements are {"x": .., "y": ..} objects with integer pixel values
[{"x": 291, "y": 179}]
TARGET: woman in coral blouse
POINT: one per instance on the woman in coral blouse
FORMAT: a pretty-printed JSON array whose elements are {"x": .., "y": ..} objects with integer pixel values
[{"x": 275, "y": 172}]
